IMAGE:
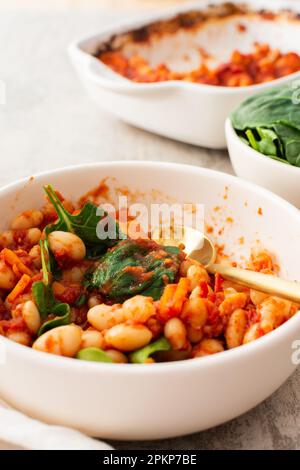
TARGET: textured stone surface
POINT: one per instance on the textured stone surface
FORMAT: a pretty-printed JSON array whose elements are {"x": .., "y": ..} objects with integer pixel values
[{"x": 49, "y": 122}]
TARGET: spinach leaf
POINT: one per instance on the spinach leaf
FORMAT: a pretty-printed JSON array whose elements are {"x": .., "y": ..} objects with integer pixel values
[
  {"x": 252, "y": 139},
  {"x": 41, "y": 290},
  {"x": 265, "y": 143},
  {"x": 86, "y": 225},
  {"x": 270, "y": 123},
  {"x": 44, "y": 298},
  {"x": 266, "y": 134},
  {"x": 276, "y": 105},
  {"x": 45, "y": 259},
  {"x": 93, "y": 354},
  {"x": 141, "y": 355},
  {"x": 47, "y": 305},
  {"x": 290, "y": 139},
  {"x": 62, "y": 314},
  {"x": 135, "y": 267}
]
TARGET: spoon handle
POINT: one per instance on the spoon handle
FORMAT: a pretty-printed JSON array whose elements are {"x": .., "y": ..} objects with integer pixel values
[{"x": 262, "y": 282}]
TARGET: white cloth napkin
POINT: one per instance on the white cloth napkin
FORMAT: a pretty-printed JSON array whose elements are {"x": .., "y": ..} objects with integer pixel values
[{"x": 18, "y": 431}]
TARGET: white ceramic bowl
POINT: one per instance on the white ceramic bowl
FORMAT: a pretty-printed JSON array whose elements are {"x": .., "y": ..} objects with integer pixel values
[
  {"x": 161, "y": 400},
  {"x": 189, "y": 112},
  {"x": 281, "y": 178}
]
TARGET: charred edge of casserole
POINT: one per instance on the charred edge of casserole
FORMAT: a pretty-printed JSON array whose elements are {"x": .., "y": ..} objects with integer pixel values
[{"x": 188, "y": 20}]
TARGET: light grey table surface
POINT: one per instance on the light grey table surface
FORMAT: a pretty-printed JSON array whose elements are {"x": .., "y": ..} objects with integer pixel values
[{"x": 48, "y": 122}]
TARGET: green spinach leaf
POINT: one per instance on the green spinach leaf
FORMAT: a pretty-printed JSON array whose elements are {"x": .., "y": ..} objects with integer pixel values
[
  {"x": 270, "y": 123},
  {"x": 290, "y": 139},
  {"x": 141, "y": 355},
  {"x": 275, "y": 105},
  {"x": 135, "y": 267},
  {"x": 86, "y": 225},
  {"x": 62, "y": 314},
  {"x": 94, "y": 355},
  {"x": 45, "y": 300}
]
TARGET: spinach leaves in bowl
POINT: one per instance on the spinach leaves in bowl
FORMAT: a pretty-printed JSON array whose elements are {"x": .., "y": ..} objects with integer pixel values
[{"x": 269, "y": 122}]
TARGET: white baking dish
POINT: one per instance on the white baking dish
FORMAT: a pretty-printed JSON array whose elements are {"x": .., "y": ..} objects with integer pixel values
[{"x": 189, "y": 112}]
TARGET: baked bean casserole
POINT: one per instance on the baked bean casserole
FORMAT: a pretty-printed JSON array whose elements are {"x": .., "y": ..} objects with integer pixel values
[{"x": 188, "y": 41}]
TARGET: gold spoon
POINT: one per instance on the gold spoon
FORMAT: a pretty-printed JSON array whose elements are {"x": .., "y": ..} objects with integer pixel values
[{"x": 200, "y": 248}]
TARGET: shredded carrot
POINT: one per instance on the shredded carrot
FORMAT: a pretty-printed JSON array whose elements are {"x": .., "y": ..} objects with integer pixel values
[
  {"x": 173, "y": 298},
  {"x": 166, "y": 299},
  {"x": 19, "y": 288},
  {"x": 204, "y": 290},
  {"x": 181, "y": 294},
  {"x": 11, "y": 258},
  {"x": 16, "y": 271}
]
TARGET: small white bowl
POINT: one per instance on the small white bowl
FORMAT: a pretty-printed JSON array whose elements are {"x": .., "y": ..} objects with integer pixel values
[
  {"x": 281, "y": 178},
  {"x": 184, "y": 111},
  {"x": 155, "y": 401}
]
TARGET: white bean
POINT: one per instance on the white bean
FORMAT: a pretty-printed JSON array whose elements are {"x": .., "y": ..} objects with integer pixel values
[
  {"x": 33, "y": 236},
  {"x": 6, "y": 238},
  {"x": 273, "y": 311},
  {"x": 102, "y": 317},
  {"x": 257, "y": 297},
  {"x": 29, "y": 236},
  {"x": 116, "y": 356},
  {"x": 63, "y": 341},
  {"x": 254, "y": 332},
  {"x": 233, "y": 300},
  {"x": 92, "y": 339},
  {"x": 194, "y": 312},
  {"x": 27, "y": 219},
  {"x": 236, "y": 328},
  {"x": 31, "y": 316},
  {"x": 7, "y": 277},
  {"x": 67, "y": 245},
  {"x": 35, "y": 255},
  {"x": 196, "y": 274},
  {"x": 74, "y": 274},
  {"x": 175, "y": 332},
  {"x": 194, "y": 334},
  {"x": 207, "y": 347},
  {"x": 139, "y": 308},
  {"x": 128, "y": 337}
]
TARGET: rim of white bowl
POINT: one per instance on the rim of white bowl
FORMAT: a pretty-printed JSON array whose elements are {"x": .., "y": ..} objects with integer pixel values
[
  {"x": 254, "y": 154},
  {"x": 266, "y": 342}
]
